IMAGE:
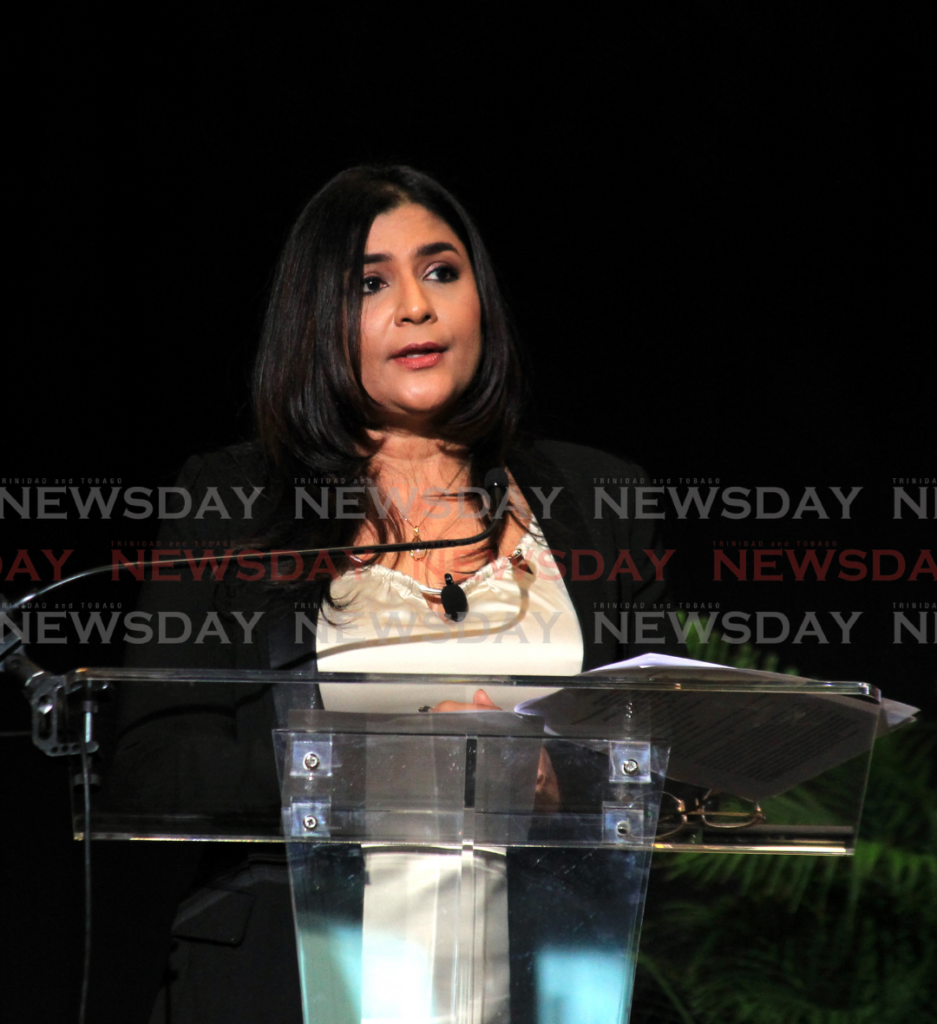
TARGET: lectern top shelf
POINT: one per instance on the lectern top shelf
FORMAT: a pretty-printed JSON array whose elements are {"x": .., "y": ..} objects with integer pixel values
[
  {"x": 754, "y": 761},
  {"x": 715, "y": 679}
]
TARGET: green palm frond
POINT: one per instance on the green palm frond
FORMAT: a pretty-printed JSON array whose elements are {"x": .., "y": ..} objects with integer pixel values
[{"x": 808, "y": 940}]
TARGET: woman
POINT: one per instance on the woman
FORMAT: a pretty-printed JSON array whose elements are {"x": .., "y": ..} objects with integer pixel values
[
  {"x": 387, "y": 385},
  {"x": 428, "y": 407}
]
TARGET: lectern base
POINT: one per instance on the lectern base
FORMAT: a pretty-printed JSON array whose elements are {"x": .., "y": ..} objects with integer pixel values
[{"x": 448, "y": 935}]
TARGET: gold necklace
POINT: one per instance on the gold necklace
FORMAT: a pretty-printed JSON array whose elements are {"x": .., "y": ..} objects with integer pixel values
[{"x": 417, "y": 553}]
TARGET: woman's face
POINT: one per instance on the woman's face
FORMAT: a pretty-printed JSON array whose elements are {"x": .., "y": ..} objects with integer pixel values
[{"x": 420, "y": 317}]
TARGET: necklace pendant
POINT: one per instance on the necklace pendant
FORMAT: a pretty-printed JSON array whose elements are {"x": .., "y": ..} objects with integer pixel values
[{"x": 417, "y": 553}]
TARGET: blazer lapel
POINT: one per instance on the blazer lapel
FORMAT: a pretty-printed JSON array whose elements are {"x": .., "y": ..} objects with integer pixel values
[{"x": 568, "y": 530}]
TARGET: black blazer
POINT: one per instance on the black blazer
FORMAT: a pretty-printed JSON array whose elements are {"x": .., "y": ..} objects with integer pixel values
[
  {"x": 171, "y": 750},
  {"x": 587, "y": 535},
  {"x": 223, "y": 732},
  {"x": 583, "y": 529}
]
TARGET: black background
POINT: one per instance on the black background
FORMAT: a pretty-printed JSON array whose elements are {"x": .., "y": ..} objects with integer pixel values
[{"x": 712, "y": 221}]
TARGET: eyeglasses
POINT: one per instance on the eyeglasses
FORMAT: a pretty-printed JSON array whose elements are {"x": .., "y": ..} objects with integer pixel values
[{"x": 713, "y": 809}]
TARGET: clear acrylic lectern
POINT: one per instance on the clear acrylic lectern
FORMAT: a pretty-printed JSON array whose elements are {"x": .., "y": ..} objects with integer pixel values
[{"x": 483, "y": 867}]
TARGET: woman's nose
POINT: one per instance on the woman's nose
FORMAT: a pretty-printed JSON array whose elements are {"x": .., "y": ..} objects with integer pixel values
[{"x": 415, "y": 305}]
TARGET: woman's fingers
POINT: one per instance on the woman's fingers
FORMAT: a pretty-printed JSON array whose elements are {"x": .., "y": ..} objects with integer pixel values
[
  {"x": 547, "y": 799},
  {"x": 482, "y": 702}
]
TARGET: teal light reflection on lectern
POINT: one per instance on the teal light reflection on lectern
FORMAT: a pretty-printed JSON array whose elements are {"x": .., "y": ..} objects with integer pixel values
[
  {"x": 330, "y": 965},
  {"x": 583, "y": 986},
  {"x": 384, "y": 979}
]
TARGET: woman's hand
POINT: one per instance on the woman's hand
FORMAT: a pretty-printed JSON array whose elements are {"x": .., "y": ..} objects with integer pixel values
[
  {"x": 547, "y": 796},
  {"x": 482, "y": 702}
]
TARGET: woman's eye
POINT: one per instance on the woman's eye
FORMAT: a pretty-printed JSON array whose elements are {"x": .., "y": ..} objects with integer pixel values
[
  {"x": 371, "y": 284},
  {"x": 444, "y": 274}
]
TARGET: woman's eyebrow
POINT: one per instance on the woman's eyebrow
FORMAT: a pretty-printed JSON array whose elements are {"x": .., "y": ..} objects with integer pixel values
[
  {"x": 435, "y": 247},
  {"x": 430, "y": 249}
]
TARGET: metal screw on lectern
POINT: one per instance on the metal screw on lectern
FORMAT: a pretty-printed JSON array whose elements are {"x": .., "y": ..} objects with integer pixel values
[
  {"x": 622, "y": 828},
  {"x": 310, "y": 822},
  {"x": 311, "y": 762},
  {"x": 630, "y": 767}
]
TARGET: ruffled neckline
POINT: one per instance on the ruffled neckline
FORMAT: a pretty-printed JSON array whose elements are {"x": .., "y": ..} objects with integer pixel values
[{"x": 491, "y": 573}]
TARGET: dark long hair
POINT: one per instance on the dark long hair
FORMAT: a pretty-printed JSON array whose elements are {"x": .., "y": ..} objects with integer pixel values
[{"x": 311, "y": 409}]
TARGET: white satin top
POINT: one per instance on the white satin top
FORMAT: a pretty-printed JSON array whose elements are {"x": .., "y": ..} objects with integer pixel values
[{"x": 519, "y": 622}]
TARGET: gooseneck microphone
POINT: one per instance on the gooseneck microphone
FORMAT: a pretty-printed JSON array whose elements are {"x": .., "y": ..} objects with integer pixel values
[{"x": 454, "y": 601}]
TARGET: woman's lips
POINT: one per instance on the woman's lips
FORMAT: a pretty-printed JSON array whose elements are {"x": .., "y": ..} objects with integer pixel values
[{"x": 419, "y": 357}]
